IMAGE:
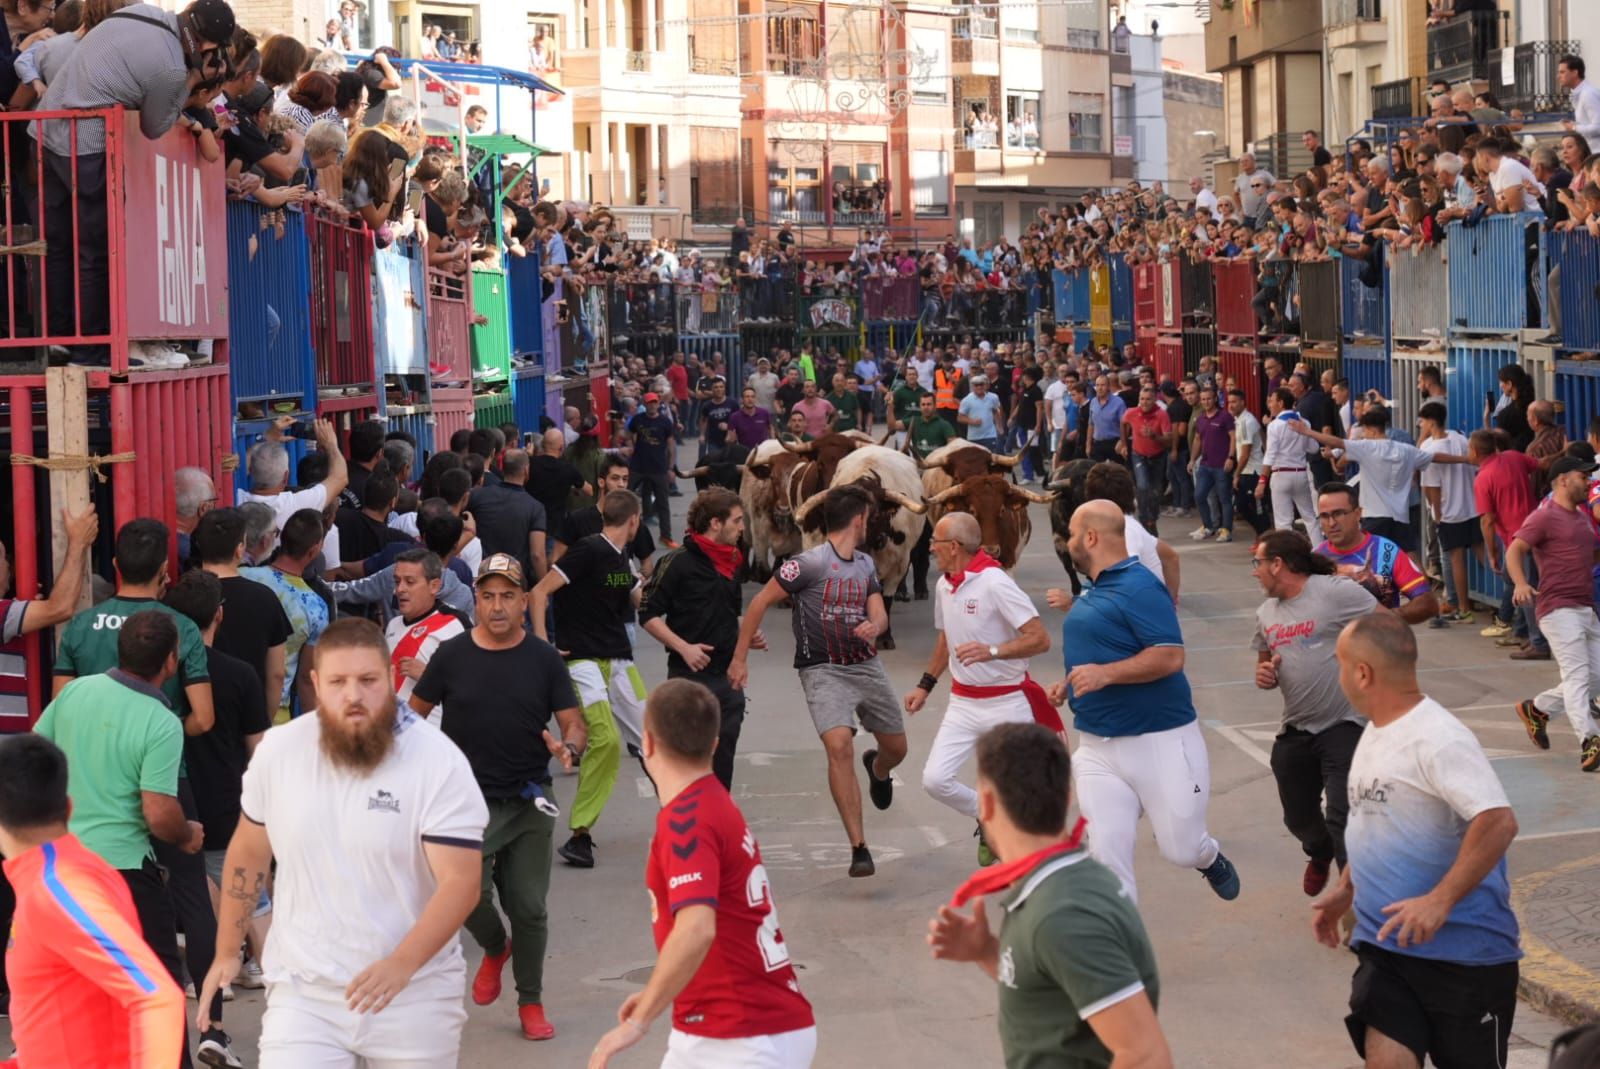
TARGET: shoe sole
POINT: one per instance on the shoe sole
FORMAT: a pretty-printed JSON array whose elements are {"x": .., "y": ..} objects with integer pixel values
[
  {"x": 861, "y": 871},
  {"x": 216, "y": 1059},
  {"x": 1535, "y": 722},
  {"x": 873, "y": 783},
  {"x": 576, "y": 861}
]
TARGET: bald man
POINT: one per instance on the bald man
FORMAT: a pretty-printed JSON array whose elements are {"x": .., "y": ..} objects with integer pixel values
[
  {"x": 552, "y": 480},
  {"x": 988, "y": 628},
  {"x": 1427, "y": 836},
  {"x": 1139, "y": 742}
]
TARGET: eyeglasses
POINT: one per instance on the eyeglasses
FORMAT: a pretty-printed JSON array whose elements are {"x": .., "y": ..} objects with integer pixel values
[
  {"x": 1256, "y": 562},
  {"x": 1336, "y": 514}
]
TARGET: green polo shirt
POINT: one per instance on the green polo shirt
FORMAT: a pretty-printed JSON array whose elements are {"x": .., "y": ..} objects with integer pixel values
[
  {"x": 928, "y": 435},
  {"x": 88, "y": 645},
  {"x": 848, "y": 405},
  {"x": 906, "y": 401},
  {"x": 1071, "y": 946},
  {"x": 120, "y": 738}
]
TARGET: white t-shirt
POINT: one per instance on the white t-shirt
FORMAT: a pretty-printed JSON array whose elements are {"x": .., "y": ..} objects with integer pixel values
[
  {"x": 1456, "y": 502},
  {"x": 1247, "y": 432},
  {"x": 988, "y": 608},
  {"x": 925, "y": 368},
  {"x": 287, "y": 503},
  {"x": 1208, "y": 200},
  {"x": 1512, "y": 173},
  {"x": 352, "y": 878},
  {"x": 1143, "y": 544},
  {"x": 1056, "y": 397},
  {"x": 418, "y": 640},
  {"x": 1387, "y": 468}
]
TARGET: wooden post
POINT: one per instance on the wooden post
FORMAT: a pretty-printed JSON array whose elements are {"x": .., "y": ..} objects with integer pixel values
[{"x": 66, "y": 391}]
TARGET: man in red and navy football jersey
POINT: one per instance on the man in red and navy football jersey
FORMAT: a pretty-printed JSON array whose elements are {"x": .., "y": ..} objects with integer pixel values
[
  {"x": 423, "y": 622},
  {"x": 724, "y": 966}
]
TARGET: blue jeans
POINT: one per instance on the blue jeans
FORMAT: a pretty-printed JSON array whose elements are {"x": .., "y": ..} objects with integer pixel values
[
  {"x": 991, "y": 444},
  {"x": 1182, "y": 484},
  {"x": 1214, "y": 481},
  {"x": 1149, "y": 480}
]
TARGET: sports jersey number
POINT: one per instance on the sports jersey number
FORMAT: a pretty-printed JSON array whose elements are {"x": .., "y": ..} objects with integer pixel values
[{"x": 758, "y": 891}]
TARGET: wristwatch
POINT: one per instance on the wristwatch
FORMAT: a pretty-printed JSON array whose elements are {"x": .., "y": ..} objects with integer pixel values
[{"x": 994, "y": 653}]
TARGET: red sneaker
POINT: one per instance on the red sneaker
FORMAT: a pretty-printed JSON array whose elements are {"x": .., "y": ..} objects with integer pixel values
[
  {"x": 1316, "y": 877},
  {"x": 534, "y": 1025},
  {"x": 486, "y": 985}
]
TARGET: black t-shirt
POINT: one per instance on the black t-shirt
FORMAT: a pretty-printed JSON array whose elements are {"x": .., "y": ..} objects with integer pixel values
[
  {"x": 594, "y": 608},
  {"x": 361, "y": 536},
  {"x": 1000, "y": 386},
  {"x": 1318, "y": 410},
  {"x": 246, "y": 143},
  {"x": 550, "y": 481},
  {"x": 789, "y": 394},
  {"x": 253, "y": 621},
  {"x": 586, "y": 522},
  {"x": 438, "y": 222},
  {"x": 707, "y": 380},
  {"x": 1179, "y": 411},
  {"x": 1321, "y": 157},
  {"x": 650, "y": 439},
  {"x": 716, "y": 416},
  {"x": 497, "y": 704},
  {"x": 1028, "y": 406},
  {"x": 216, "y": 760},
  {"x": 506, "y": 516},
  {"x": 350, "y": 497}
]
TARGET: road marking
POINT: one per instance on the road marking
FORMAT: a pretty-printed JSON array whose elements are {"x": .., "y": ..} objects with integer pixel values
[
  {"x": 1238, "y": 738},
  {"x": 935, "y": 836},
  {"x": 645, "y": 788},
  {"x": 1251, "y": 680},
  {"x": 1556, "y": 834}
]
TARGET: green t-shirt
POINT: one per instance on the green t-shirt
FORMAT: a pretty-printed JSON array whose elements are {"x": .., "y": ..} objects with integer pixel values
[
  {"x": 1071, "y": 945},
  {"x": 89, "y": 645},
  {"x": 848, "y": 405},
  {"x": 929, "y": 434},
  {"x": 808, "y": 367},
  {"x": 907, "y": 401},
  {"x": 120, "y": 738},
  {"x": 794, "y": 439}
]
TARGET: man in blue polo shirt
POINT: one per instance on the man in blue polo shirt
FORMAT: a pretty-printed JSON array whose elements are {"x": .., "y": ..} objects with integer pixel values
[
  {"x": 1105, "y": 421},
  {"x": 1139, "y": 743}
]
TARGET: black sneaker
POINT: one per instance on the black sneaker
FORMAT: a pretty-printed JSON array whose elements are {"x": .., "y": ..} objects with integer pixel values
[
  {"x": 880, "y": 790},
  {"x": 578, "y": 851},
  {"x": 921, "y": 594},
  {"x": 1590, "y": 762},
  {"x": 216, "y": 1050},
  {"x": 861, "y": 861},
  {"x": 1537, "y": 724}
]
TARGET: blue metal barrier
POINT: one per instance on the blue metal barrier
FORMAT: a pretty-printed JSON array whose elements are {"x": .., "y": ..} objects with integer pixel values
[
  {"x": 269, "y": 306},
  {"x": 1065, "y": 299},
  {"x": 525, "y": 294},
  {"x": 885, "y": 334},
  {"x": 1419, "y": 294},
  {"x": 1577, "y": 255},
  {"x": 1078, "y": 280},
  {"x": 1472, "y": 371},
  {"x": 1491, "y": 275},
  {"x": 1121, "y": 299},
  {"x": 400, "y": 295},
  {"x": 247, "y": 433},
  {"x": 1365, "y": 308},
  {"x": 1578, "y": 391},
  {"x": 527, "y": 396},
  {"x": 1082, "y": 338},
  {"x": 1368, "y": 368},
  {"x": 417, "y": 421}
]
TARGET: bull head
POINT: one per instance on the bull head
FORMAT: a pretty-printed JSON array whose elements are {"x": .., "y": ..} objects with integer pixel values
[
  {"x": 803, "y": 448},
  {"x": 695, "y": 473}
]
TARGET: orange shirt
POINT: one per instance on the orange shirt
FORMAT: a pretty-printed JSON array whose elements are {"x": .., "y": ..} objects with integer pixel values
[{"x": 86, "y": 990}]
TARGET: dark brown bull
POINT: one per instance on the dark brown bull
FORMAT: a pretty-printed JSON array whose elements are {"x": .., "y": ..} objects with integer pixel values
[
  {"x": 1001, "y": 509},
  {"x": 802, "y": 470},
  {"x": 723, "y": 466},
  {"x": 1066, "y": 485},
  {"x": 957, "y": 462}
]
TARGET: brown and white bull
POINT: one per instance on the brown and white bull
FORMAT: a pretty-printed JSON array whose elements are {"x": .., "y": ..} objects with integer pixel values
[
  {"x": 956, "y": 462},
  {"x": 893, "y": 527},
  {"x": 1001, "y": 509},
  {"x": 777, "y": 477}
]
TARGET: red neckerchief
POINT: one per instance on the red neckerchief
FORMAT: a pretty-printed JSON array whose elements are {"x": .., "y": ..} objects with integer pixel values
[
  {"x": 725, "y": 559},
  {"x": 997, "y": 878},
  {"x": 980, "y": 560}
]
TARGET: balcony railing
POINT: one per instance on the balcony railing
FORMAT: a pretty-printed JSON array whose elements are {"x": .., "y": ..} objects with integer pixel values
[
  {"x": 793, "y": 66},
  {"x": 1533, "y": 87},
  {"x": 1464, "y": 39},
  {"x": 984, "y": 51},
  {"x": 970, "y": 27},
  {"x": 1284, "y": 154},
  {"x": 1344, "y": 12},
  {"x": 1024, "y": 33},
  {"x": 1089, "y": 39},
  {"x": 638, "y": 62},
  {"x": 1392, "y": 100},
  {"x": 712, "y": 65}
]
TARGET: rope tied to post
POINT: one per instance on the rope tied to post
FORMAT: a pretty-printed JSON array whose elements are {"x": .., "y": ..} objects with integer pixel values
[{"x": 94, "y": 463}]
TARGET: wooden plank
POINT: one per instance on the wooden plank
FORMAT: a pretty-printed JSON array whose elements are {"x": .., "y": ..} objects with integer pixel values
[{"x": 67, "y": 421}]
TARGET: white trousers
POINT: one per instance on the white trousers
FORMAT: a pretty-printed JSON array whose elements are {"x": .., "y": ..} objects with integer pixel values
[
  {"x": 786, "y": 1050},
  {"x": 965, "y": 721},
  {"x": 310, "y": 1026},
  {"x": 1574, "y": 637},
  {"x": 1291, "y": 490},
  {"x": 1164, "y": 774},
  {"x": 619, "y": 684}
]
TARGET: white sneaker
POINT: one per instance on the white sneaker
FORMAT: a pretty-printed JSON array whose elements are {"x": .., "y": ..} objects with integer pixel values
[
  {"x": 1224, "y": 536},
  {"x": 227, "y": 993},
  {"x": 1200, "y": 534},
  {"x": 250, "y": 977}
]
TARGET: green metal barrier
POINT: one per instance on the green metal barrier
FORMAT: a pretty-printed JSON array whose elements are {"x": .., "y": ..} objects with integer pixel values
[
  {"x": 491, "y": 341},
  {"x": 493, "y": 409}
]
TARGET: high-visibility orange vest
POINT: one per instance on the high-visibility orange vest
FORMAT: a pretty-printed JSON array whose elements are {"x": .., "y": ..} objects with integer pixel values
[{"x": 944, "y": 387}]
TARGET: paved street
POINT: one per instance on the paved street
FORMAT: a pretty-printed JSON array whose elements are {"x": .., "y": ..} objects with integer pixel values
[{"x": 1242, "y": 983}]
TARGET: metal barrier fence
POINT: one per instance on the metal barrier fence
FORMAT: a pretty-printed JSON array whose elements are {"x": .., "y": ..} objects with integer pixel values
[
  {"x": 1419, "y": 294},
  {"x": 729, "y": 346},
  {"x": 1364, "y": 309},
  {"x": 1170, "y": 293},
  {"x": 1198, "y": 290},
  {"x": 528, "y": 397},
  {"x": 899, "y": 298},
  {"x": 449, "y": 326},
  {"x": 1168, "y": 358},
  {"x": 1321, "y": 301},
  {"x": 417, "y": 421},
  {"x": 453, "y": 410},
  {"x": 1197, "y": 342},
  {"x": 269, "y": 306},
  {"x": 491, "y": 338},
  {"x": 1121, "y": 299},
  {"x": 494, "y": 407},
  {"x": 1472, "y": 377},
  {"x": 1100, "y": 304},
  {"x": 1576, "y": 255},
  {"x": 1497, "y": 274},
  {"x": 167, "y": 420},
  {"x": 525, "y": 295},
  {"x": 341, "y": 304},
  {"x": 1368, "y": 368},
  {"x": 1235, "y": 284},
  {"x": 1240, "y": 364},
  {"x": 1577, "y": 390},
  {"x": 1405, "y": 399},
  {"x": 399, "y": 310},
  {"x": 1144, "y": 296},
  {"x": 707, "y": 309}
]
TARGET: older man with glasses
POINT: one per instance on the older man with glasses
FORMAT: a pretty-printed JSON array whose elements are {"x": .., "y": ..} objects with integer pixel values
[{"x": 1251, "y": 186}]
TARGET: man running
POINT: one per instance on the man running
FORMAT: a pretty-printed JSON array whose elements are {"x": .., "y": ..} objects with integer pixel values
[
  {"x": 375, "y": 824},
  {"x": 692, "y": 607},
  {"x": 1307, "y": 604},
  {"x": 988, "y": 628},
  {"x": 1284, "y": 466},
  {"x": 838, "y": 613},
  {"x": 1429, "y": 827},
  {"x": 1372, "y": 560},
  {"x": 1075, "y": 970},
  {"x": 1139, "y": 743},
  {"x": 423, "y": 622},
  {"x": 595, "y": 591},
  {"x": 724, "y": 965}
]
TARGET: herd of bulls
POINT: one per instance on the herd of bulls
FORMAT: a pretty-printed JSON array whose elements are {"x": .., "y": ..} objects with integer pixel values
[{"x": 782, "y": 484}]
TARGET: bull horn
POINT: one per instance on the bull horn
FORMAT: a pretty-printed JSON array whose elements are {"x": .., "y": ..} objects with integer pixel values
[
  {"x": 1057, "y": 486},
  {"x": 803, "y": 448},
  {"x": 697, "y": 473},
  {"x": 1006, "y": 461},
  {"x": 807, "y": 505},
  {"x": 905, "y": 502},
  {"x": 886, "y": 436},
  {"x": 945, "y": 495},
  {"x": 1034, "y": 496}
]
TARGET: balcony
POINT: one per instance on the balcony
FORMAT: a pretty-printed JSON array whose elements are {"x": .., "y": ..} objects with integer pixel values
[
  {"x": 974, "y": 27},
  {"x": 1533, "y": 86},
  {"x": 1083, "y": 40},
  {"x": 975, "y": 57},
  {"x": 1464, "y": 42},
  {"x": 1283, "y": 154},
  {"x": 1353, "y": 23},
  {"x": 1392, "y": 100},
  {"x": 971, "y": 162},
  {"x": 1238, "y": 34}
]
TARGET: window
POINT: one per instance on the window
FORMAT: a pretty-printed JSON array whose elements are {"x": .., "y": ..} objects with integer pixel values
[
  {"x": 1021, "y": 22},
  {"x": 794, "y": 40},
  {"x": 1085, "y": 112},
  {"x": 543, "y": 33},
  {"x": 713, "y": 174},
  {"x": 794, "y": 190},
  {"x": 988, "y": 222},
  {"x": 979, "y": 127},
  {"x": 931, "y": 44},
  {"x": 855, "y": 177},
  {"x": 713, "y": 38},
  {"x": 1124, "y": 131},
  {"x": 1022, "y": 120},
  {"x": 930, "y": 179}
]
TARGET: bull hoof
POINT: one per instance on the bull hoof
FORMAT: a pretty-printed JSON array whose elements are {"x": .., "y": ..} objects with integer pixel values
[
  {"x": 886, "y": 642},
  {"x": 902, "y": 595}
]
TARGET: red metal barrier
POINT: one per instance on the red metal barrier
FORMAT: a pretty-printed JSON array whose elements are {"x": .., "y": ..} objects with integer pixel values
[
  {"x": 1144, "y": 295},
  {"x": 1241, "y": 364},
  {"x": 600, "y": 397},
  {"x": 25, "y": 549},
  {"x": 345, "y": 412},
  {"x": 1169, "y": 295},
  {"x": 452, "y": 411},
  {"x": 341, "y": 304},
  {"x": 449, "y": 325},
  {"x": 1168, "y": 359},
  {"x": 1144, "y": 344},
  {"x": 1236, "y": 288}
]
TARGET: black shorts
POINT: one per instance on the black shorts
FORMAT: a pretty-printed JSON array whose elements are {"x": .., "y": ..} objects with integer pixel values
[
  {"x": 1461, "y": 535},
  {"x": 1460, "y": 1015},
  {"x": 1400, "y": 533}
]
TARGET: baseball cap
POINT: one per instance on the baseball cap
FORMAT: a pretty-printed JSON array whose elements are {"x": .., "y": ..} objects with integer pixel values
[
  {"x": 255, "y": 98},
  {"x": 651, "y": 397},
  {"x": 501, "y": 564},
  {"x": 212, "y": 20},
  {"x": 1566, "y": 464},
  {"x": 984, "y": 345}
]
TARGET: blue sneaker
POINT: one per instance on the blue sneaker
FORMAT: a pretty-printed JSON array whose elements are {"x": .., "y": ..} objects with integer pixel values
[{"x": 1223, "y": 878}]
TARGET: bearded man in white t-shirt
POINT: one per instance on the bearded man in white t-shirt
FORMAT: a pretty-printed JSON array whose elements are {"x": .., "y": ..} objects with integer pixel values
[{"x": 988, "y": 628}]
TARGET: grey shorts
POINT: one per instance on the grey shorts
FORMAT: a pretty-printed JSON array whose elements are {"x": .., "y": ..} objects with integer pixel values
[
  {"x": 837, "y": 694},
  {"x": 214, "y": 859}
]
